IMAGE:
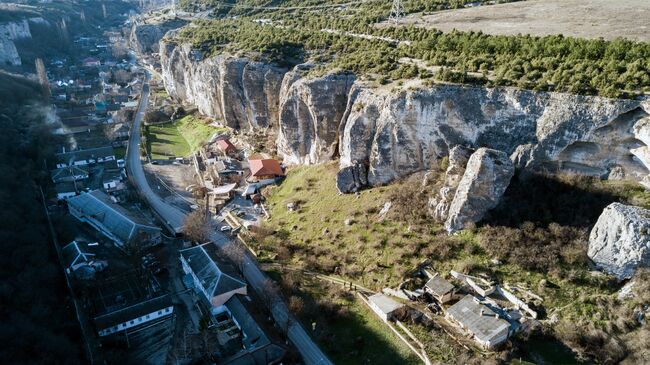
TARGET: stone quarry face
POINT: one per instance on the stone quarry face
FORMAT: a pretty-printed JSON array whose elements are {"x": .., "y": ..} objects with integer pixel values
[
  {"x": 620, "y": 240},
  {"x": 439, "y": 204},
  {"x": 486, "y": 177}
]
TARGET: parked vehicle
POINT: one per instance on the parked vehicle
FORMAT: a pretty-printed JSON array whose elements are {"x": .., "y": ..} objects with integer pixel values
[{"x": 225, "y": 229}]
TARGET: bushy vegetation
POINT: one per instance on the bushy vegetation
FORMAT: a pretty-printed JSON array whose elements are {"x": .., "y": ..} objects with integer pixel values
[
  {"x": 37, "y": 324},
  {"x": 618, "y": 68}
]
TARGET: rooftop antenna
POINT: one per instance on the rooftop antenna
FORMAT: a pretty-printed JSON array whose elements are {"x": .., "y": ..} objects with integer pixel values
[{"x": 397, "y": 11}]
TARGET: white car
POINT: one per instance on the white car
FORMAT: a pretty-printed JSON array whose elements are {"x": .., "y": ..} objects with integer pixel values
[{"x": 225, "y": 229}]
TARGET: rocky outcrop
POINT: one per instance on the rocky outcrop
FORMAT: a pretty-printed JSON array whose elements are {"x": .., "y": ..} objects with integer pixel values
[
  {"x": 145, "y": 37},
  {"x": 620, "y": 240},
  {"x": 487, "y": 175},
  {"x": 243, "y": 94},
  {"x": 352, "y": 178},
  {"x": 310, "y": 113},
  {"x": 396, "y": 132},
  {"x": 9, "y": 32},
  {"x": 440, "y": 203},
  {"x": 400, "y": 132}
]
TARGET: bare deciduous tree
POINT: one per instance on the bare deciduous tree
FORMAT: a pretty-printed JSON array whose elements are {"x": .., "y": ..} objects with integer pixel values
[{"x": 196, "y": 226}]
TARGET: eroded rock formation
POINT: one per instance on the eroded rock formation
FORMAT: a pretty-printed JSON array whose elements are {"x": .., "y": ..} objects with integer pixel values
[
  {"x": 396, "y": 132},
  {"x": 9, "y": 32},
  {"x": 487, "y": 175},
  {"x": 439, "y": 204},
  {"x": 620, "y": 240},
  {"x": 310, "y": 112}
]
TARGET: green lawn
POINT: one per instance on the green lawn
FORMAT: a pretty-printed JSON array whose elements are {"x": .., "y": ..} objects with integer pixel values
[
  {"x": 165, "y": 140},
  {"x": 196, "y": 131},
  {"x": 178, "y": 139}
]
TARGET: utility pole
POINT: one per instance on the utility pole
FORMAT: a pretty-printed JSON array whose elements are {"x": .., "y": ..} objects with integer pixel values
[
  {"x": 397, "y": 11},
  {"x": 104, "y": 10}
]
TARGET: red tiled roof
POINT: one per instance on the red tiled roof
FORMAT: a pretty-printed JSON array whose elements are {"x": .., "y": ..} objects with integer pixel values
[
  {"x": 225, "y": 144},
  {"x": 265, "y": 167}
]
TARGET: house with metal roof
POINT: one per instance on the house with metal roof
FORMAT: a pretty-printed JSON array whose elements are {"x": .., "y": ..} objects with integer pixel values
[
  {"x": 113, "y": 220},
  {"x": 85, "y": 157},
  {"x": 68, "y": 174},
  {"x": 384, "y": 306},
  {"x": 480, "y": 321},
  {"x": 216, "y": 286},
  {"x": 440, "y": 289},
  {"x": 133, "y": 316}
]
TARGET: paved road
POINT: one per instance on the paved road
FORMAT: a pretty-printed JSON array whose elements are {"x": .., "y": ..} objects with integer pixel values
[
  {"x": 312, "y": 355},
  {"x": 172, "y": 216}
]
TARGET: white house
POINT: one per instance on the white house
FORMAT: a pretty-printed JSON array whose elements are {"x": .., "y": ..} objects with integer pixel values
[
  {"x": 133, "y": 316},
  {"x": 209, "y": 280},
  {"x": 384, "y": 306}
]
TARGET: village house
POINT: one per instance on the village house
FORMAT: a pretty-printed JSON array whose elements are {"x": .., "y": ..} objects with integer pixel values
[
  {"x": 226, "y": 147},
  {"x": 239, "y": 338},
  {"x": 480, "y": 322},
  {"x": 85, "y": 157},
  {"x": 440, "y": 289},
  {"x": 200, "y": 263},
  {"x": 91, "y": 62},
  {"x": 112, "y": 220},
  {"x": 133, "y": 316},
  {"x": 65, "y": 190},
  {"x": 384, "y": 306},
  {"x": 68, "y": 174},
  {"x": 264, "y": 169},
  {"x": 80, "y": 260}
]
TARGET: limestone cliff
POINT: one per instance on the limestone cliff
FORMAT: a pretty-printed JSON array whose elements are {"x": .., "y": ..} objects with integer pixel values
[
  {"x": 398, "y": 133},
  {"x": 9, "y": 32},
  {"x": 310, "y": 112},
  {"x": 241, "y": 93},
  {"x": 394, "y": 132}
]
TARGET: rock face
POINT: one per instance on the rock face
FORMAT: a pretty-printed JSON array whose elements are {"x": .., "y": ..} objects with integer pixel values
[
  {"x": 401, "y": 132},
  {"x": 620, "y": 240},
  {"x": 310, "y": 112},
  {"x": 396, "y": 132},
  {"x": 145, "y": 38},
  {"x": 352, "y": 178},
  {"x": 243, "y": 94},
  {"x": 9, "y": 32},
  {"x": 486, "y": 178},
  {"x": 440, "y": 203}
]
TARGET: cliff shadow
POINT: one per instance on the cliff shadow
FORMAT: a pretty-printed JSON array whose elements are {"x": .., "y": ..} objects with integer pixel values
[{"x": 569, "y": 200}]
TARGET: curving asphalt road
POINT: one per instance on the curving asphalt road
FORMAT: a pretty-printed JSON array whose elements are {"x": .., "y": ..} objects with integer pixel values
[{"x": 173, "y": 218}]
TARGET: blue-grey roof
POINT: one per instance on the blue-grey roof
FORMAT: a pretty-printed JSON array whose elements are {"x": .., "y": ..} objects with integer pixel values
[
  {"x": 74, "y": 254},
  {"x": 119, "y": 221},
  {"x": 213, "y": 280},
  {"x": 478, "y": 318},
  {"x": 91, "y": 153}
]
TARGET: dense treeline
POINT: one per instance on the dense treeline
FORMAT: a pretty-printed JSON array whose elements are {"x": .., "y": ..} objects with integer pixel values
[
  {"x": 617, "y": 68},
  {"x": 37, "y": 324}
]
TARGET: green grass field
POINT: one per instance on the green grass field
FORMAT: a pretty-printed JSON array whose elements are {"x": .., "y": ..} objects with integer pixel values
[{"x": 178, "y": 139}]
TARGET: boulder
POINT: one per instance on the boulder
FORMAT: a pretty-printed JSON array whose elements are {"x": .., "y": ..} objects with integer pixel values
[
  {"x": 439, "y": 204},
  {"x": 487, "y": 175},
  {"x": 352, "y": 178},
  {"x": 620, "y": 240}
]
